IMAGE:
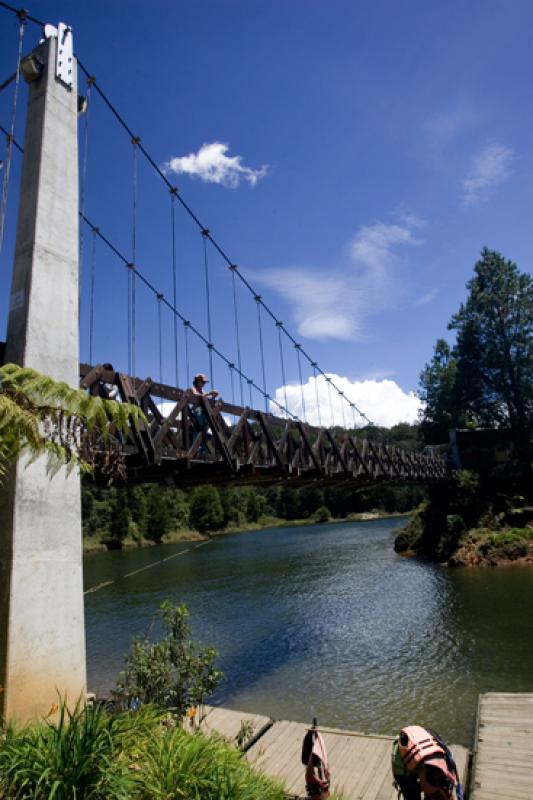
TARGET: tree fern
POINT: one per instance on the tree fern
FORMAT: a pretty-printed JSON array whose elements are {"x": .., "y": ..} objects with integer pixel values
[{"x": 41, "y": 416}]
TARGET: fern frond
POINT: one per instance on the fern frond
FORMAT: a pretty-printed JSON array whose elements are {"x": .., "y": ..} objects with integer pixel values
[{"x": 39, "y": 415}]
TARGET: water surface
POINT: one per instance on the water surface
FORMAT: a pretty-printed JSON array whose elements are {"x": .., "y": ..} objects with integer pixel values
[{"x": 327, "y": 621}]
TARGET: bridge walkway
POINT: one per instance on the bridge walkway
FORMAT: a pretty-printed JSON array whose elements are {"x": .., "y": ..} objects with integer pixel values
[{"x": 242, "y": 444}]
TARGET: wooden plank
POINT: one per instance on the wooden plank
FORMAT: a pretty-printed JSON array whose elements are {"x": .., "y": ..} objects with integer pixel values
[
  {"x": 503, "y": 755},
  {"x": 229, "y": 724},
  {"x": 360, "y": 763}
]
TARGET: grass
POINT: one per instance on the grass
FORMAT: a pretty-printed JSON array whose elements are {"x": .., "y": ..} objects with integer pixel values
[
  {"x": 510, "y": 536},
  {"x": 88, "y": 754}
]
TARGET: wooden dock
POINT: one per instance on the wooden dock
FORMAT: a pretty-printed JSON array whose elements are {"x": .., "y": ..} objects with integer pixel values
[
  {"x": 503, "y": 755},
  {"x": 360, "y": 763}
]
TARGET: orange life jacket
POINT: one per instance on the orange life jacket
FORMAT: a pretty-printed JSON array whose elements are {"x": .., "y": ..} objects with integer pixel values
[
  {"x": 415, "y": 745},
  {"x": 424, "y": 755}
]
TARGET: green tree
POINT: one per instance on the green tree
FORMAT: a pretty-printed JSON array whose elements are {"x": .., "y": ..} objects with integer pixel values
[
  {"x": 438, "y": 392},
  {"x": 119, "y": 523},
  {"x": 206, "y": 512},
  {"x": 174, "y": 672},
  {"x": 158, "y": 516},
  {"x": 288, "y": 503},
  {"x": 137, "y": 505},
  {"x": 311, "y": 498},
  {"x": 254, "y": 506},
  {"x": 495, "y": 346}
]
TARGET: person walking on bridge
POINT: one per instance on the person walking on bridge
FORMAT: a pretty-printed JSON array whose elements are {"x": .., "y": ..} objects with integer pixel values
[{"x": 198, "y": 412}]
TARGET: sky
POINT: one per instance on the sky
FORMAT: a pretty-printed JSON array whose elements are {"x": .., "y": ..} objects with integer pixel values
[{"x": 352, "y": 158}]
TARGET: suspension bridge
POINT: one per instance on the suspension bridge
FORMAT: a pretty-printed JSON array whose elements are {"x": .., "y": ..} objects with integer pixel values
[
  {"x": 311, "y": 436},
  {"x": 74, "y": 280}
]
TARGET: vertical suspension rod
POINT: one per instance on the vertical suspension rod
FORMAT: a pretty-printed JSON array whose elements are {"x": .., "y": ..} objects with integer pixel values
[
  {"x": 135, "y": 142},
  {"x": 298, "y": 348},
  {"x": 257, "y": 299},
  {"x": 314, "y": 365},
  {"x": 95, "y": 233},
  {"x": 160, "y": 335},
  {"x": 83, "y": 182},
  {"x": 233, "y": 269},
  {"x": 173, "y": 193},
  {"x": 279, "y": 325},
  {"x": 205, "y": 234},
  {"x": 186, "y": 325}
]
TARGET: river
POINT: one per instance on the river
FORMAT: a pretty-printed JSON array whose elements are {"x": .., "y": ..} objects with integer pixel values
[{"x": 326, "y": 621}]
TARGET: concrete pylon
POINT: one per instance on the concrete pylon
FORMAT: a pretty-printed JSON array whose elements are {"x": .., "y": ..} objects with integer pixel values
[{"x": 42, "y": 632}]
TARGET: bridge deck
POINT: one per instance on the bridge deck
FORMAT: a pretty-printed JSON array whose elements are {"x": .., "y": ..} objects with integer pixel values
[
  {"x": 187, "y": 439},
  {"x": 503, "y": 756},
  {"x": 360, "y": 763}
]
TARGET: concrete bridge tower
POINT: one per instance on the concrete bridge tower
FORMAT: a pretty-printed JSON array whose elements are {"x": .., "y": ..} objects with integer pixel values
[{"x": 42, "y": 635}]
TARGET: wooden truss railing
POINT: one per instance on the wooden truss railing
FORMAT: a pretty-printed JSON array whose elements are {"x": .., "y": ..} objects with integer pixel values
[{"x": 196, "y": 443}]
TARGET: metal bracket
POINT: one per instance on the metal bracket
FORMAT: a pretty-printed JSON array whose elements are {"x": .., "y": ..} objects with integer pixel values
[
  {"x": 65, "y": 54},
  {"x": 65, "y": 51}
]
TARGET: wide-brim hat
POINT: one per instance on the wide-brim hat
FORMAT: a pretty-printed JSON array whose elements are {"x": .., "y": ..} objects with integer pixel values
[{"x": 201, "y": 377}]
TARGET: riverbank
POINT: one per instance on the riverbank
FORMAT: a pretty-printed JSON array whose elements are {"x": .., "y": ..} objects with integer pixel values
[
  {"x": 475, "y": 534},
  {"x": 93, "y": 544}
]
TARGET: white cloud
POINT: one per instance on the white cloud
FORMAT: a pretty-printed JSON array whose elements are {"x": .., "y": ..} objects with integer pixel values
[
  {"x": 426, "y": 298},
  {"x": 333, "y": 303},
  {"x": 444, "y": 126},
  {"x": 383, "y": 401},
  {"x": 409, "y": 218},
  {"x": 490, "y": 168},
  {"x": 212, "y": 165}
]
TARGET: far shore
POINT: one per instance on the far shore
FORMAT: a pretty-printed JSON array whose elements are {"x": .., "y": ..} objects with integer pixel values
[{"x": 91, "y": 545}]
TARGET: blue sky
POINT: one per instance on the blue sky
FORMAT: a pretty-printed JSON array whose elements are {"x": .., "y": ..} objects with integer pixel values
[{"x": 352, "y": 158}]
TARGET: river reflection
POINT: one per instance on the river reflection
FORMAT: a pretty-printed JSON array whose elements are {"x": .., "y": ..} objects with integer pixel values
[{"x": 327, "y": 621}]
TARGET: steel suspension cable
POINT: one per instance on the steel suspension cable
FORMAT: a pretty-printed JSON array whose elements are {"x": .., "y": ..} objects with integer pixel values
[
  {"x": 174, "y": 281},
  {"x": 205, "y": 234},
  {"x": 163, "y": 177},
  {"x": 298, "y": 348},
  {"x": 250, "y": 382},
  {"x": 11, "y": 135},
  {"x": 186, "y": 323},
  {"x": 194, "y": 217},
  {"x": 233, "y": 269},
  {"x": 21, "y": 11},
  {"x": 261, "y": 348},
  {"x": 95, "y": 232},
  {"x": 174, "y": 310},
  {"x": 279, "y": 325}
]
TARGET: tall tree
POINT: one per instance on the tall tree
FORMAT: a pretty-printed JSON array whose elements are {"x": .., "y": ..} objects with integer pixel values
[
  {"x": 438, "y": 392},
  {"x": 494, "y": 347},
  {"x": 206, "y": 512}
]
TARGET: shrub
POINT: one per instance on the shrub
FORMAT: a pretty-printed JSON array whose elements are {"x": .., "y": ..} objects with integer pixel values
[
  {"x": 322, "y": 514},
  {"x": 174, "y": 672},
  {"x": 193, "y": 766},
  {"x": 79, "y": 756}
]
